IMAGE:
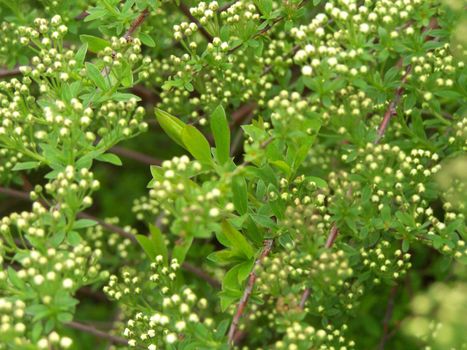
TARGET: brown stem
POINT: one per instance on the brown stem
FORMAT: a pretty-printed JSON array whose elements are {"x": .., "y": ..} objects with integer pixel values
[
  {"x": 202, "y": 274},
  {"x": 333, "y": 233},
  {"x": 387, "y": 317},
  {"x": 97, "y": 333},
  {"x": 7, "y": 73},
  {"x": 392, "y": 108},
  {"x": 248, "y": 290},
  {"x": 137, "y": 156},
  {"x": 136, "y": 23}
]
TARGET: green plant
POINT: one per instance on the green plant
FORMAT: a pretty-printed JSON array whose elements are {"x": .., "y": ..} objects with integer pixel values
[{"x": 305, "y": 188}]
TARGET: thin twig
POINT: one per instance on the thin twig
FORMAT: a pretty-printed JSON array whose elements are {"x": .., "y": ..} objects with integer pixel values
[
  {"x": 248, "y": 290},
  {"x": 8, "y": 73},
  {"x": 333, "y": 233},
  {"x": 136, "y": 23},
  {"x": 96, "y": 332},
  {"x": 392, "y": 108},
  {"x": 135, "y": 155},
  {"x": 387, "y": 317},
  {"x": 202, "y": 274}
]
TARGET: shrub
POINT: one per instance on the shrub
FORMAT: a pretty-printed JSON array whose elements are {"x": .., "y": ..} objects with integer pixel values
[{"x": 307, "y": 183}]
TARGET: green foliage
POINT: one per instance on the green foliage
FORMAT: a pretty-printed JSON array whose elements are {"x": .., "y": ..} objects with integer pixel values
[{"x": 306, "y": 182}]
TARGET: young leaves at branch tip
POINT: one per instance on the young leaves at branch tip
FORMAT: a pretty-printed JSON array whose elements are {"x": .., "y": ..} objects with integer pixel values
[{"x": 191, "y": 139}]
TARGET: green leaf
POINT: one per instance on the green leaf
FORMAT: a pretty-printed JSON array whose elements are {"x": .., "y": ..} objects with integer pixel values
[
  {"x": 81, "y": 54},
  {"x": 196, "y": 144},
  {"x": 180, "y": 250},
  {"x": 159, "y": 243},
  {"x": 14, "y": 279},
  {"x": 95, "y": 75},
  {"x": 147, "y": 40},
  {"x": 95, "y": 44},
  {"x": 237, "y": 241},
  {"x": 148, "y": 246},
  {"x": 221, "y": 133},
  {"x": 73, "y": 238},
  {"x": 240, "y": 194},
  {"x": 25, "y": 166},
  {"x": 110, "y": 158},
  {"x": 84, "y": 223},
  {"x": 172, "y": 126}
]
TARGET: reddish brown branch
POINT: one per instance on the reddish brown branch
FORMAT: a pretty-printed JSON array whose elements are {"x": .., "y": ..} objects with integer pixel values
[
  {"x": 392, "y": 108},
  {"x": 8, "y": 73},
  {"x": 202, "y": 274},
  {"x": 136, "y": 23},
  {"x": 97, "y": 333},
  {"x": 137, "y": 156},
  {"x": 333, "y": 233},
  {"x": 387, "y": 317},
  {"x": 248, "y": 290}
]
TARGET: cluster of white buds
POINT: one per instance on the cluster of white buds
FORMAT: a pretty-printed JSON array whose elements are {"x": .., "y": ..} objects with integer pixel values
[
  {"x": 205, "y": 12},
  {"x": 239, "y": 11},
  {"x": 186, "y": 30},
  {"x": 303, "y": 336},
  {"x": 51, "y": 31},
  {"x": 385, "y": 262}
]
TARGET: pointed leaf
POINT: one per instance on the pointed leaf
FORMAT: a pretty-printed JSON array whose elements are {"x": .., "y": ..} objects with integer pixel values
[
  {"x": 172, "y": 126},
  {"x": 196, "y": 144},
  {"x": 221, "y": 132}
]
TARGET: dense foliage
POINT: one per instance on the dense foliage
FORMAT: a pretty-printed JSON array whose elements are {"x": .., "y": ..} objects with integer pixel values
[{"x": 293, "y": 174}]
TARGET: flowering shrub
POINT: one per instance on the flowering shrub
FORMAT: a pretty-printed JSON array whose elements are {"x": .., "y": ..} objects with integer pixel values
[{"x": 293, "y": 174}]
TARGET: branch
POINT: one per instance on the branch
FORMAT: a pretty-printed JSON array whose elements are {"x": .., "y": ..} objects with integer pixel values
[
  {"x": 248, "y": 290},
  {"x": 7, "y": 73},
  {"x": 137, "y": 156},
  {"x": 333, "y": 233},
  {"x": 97, "y": 333},
  {"x": 202, "y": 274},
  {"x": 387, "y": 317},
  {"x": 136, "y": 23},
  {"x": 392, "y": 108}
]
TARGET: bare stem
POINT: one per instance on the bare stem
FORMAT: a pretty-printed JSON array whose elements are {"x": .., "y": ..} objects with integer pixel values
[
  {"x": 97, "y": 333},
  {"x": 248, "y": 290},
  {"x": 137, "y": 156},
  {"x": 387, "y": 317},
  {"x": 333, "y": 233},
  {"x": 7, "y": 73}
]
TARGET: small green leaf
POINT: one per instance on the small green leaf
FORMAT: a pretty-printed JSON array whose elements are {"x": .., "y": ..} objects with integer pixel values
[
  {"x": 84, "y": 223},
  {"x": 221, "y": 132},
  {"x": 26, "y": 166},
  {"x": 81, "y": 54},
  {"x": 172, "y": 126},
  {"x": 95, "y": 44},
  {"x": 147, "y": 40},
  {"x": 237, "y": 241},
  {"x": 196, "y": 144},
  {"x": 240, "y": 194},
  {"x": 180, "y": 250},
  {"x": 73, "y": 238},
  {"x": 159, "y": 242},
  {"x": 147, "y": 245},
  {"x": 110, "y": 158},
  {"x": 95, "y": 75}
]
